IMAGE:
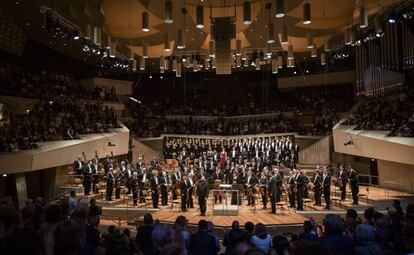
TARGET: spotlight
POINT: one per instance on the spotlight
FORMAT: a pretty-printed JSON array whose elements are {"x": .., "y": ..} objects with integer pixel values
[
  {"x": 391, "y": 20},
  {"x": 294, "y": 72},
  {"x": 75, "y": 35},
  {"x": 161, "y": 77},
  {"x": 150, "y": 76},
  {"x": 4, "y": 175}
]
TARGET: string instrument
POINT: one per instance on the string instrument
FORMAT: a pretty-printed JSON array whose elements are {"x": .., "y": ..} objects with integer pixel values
[
  {"x": 252, "y": 189},
  {"x": 177, "y": 189}
]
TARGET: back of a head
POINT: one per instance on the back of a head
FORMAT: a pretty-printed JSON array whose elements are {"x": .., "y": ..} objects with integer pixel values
[
  {"x": 235, "y": 225},
  {"x": 260, "y": 231},
  {"x": 148, "y": 220},
  {"x": 202, "y": 225},
  {"x": 249, "y": 227},
  {"x": 162, "y": 235},
  {"x": 333, "y": 223},
  {"x": 365, "y": 232},
  {"x": 180, "y": 223},
  {"x": 310, "y": 248},
  {"x": 307, "y": 226},
  {"x": 68, "y": 236}
]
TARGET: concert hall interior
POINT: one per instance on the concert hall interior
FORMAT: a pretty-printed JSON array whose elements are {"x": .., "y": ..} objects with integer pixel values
[{"x": 204, "y": 127}]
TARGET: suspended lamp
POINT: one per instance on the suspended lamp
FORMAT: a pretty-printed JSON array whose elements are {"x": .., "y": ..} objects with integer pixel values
[
  {"x": 97, "y": 34},
  {"x": 274, "y": 66},
  {"x": 238, "y": 47},
  {"x": 307, "y": 13},
  {"x": 178, "y": 71},
  {"x": 88, "y": 32},
  {"x": 112, "y": 50},
  {"x": 309, "y": 40},
  {"x": 323, "y": 58},
  {"x": 211, "y": 49},
  {"x": 290, "y": 52},
  {"x": 145, "y": 21},
  {"x": 180, "y": 39},
  {"x": 284, "y": 36},
  {"x": 363, "y": 16},
  {"x": 199, "y": 16},
  {"x": 314, "y": 53},
  {"x": 168, "y": 12},
  {"x": 145, "y": 50},
  {"x": 280, "y": 8},
  {"x": 270, "y": 33},
  {"x": 167, "y": 46},
  {"x": 141, "y": 63},
  {"x": 247, "y": 16}
]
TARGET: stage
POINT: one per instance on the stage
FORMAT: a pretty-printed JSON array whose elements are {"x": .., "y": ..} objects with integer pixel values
[{"x": 379, "y": 198}]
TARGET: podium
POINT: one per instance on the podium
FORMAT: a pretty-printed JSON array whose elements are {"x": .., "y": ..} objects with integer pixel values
[{"x": 226, "y": 209}]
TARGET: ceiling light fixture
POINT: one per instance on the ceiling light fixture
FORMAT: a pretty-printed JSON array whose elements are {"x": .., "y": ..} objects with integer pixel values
[
  {"x": 284, "y": 36},
  {"x": 309, "y": 38},
  {"x": 145, "y": 50},
  {"x": 168, "y": 12},
  {"x": 247, "y": 16},
  {"x": 167, "y": 46},
  {"x": 200, "y": 17},
  {"x": 145, "y": 21},
  {"x": 280, "y": 8},
  {"x": 363, "y": 16},
  {"x": 180, "y": 39},
  {"x": 270, "y": 33},
  {"x": 238, "y": 47},
  {"x": 307, "y": 13}
]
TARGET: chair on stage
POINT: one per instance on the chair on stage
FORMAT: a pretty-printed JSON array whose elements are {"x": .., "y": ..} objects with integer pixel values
[{"x": 307, "y": 203}]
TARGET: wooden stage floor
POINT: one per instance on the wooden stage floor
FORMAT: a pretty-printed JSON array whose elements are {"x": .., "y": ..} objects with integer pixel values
[
  {"x": 369, "y": 197},
  {"x": 246, "y": 213}
]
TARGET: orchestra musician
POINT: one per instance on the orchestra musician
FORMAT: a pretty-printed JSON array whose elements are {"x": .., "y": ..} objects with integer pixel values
[
  {"x": 87, "y": 177},
  {"x": 174, "y": 177},
  {"x": 184, "y": 193},
  {"x": 342, "y": 181},
  {"x": 143, "y": 181},
  {"x": 223, "y": 157},
  {"x": 164, "y": 182},
  {"x": 134, "y": 184},
  {"x": 279, "y": 182},
  {"x": 300, "y": 185},
  {"x": 155, "y": 186},
  {"x": 190, "y": 188},
  {"x": 78, "y": 165},
  {"x": 353, "y": 181},
  {"x": 218, "y": 178},
  {"x": 292, "y": 188},
  {"x": 250, "y": 182},
  {"x": 110, "y": 180},
  {"x": 326, "y": 183},
  {"x": 273, "y": 191},
  {"x": 95, "y": 169},
  {"x": 317, "y": 187},
  {"x": 127, "y": 173},
  {"x": 263, "y": 182},
  {"x": 202, "y": 194},
  {"x": 118, "y": 180}
]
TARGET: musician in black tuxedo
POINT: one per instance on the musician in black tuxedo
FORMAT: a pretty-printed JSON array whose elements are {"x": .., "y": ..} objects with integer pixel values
[
  {"x": 155, "y": 182},
  {"x": 118, "y": 180},
  {"x": 300, "y": 186},
  {"x": 273, "y": 191},
  {"x": 202, "y": 193},
  {"x": 78, "y": 165},
  {"x": 279, "y": 182},
  {"x": 353, "y": 181},
  {"x": 184, "y": 193},
  {"x": 250, "y": 182},
  {"x": 134, "y": 184},
  {"x": 326, "y": 184},
  {"x": 95, "y": 169},
  {"x": 143, "y": 177},
  {"x": 190, "y": 188},
  {"x": 263, "y": 182},
  {"x": 291, "y": 183},
  {"x": 164, "y": 181},
  {"x": 87, "y": 177},
  {"x": 174, "y": 177},
  {"x": 343, "y": 179},
  {"x": 218, "y": 176},
  {"x": 110, "y": 180},
  {"x": 317, "y": 187}
]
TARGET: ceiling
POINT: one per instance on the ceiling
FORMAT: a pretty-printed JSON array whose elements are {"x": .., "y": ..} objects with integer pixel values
[
  {"x": 122, "y": 20},
  {"x": 329, "y": 19}
]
